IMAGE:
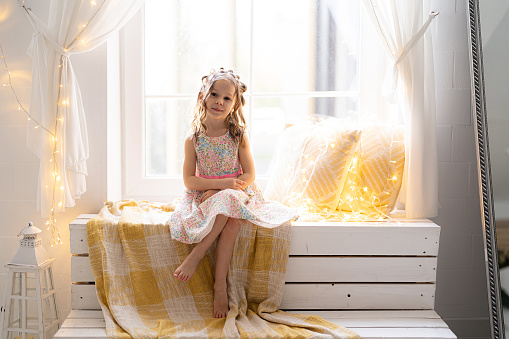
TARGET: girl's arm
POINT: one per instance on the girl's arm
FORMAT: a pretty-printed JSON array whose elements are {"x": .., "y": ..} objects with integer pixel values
[
  {"x": 192, "y": 182},
  {"x": 246, "y": 161}
]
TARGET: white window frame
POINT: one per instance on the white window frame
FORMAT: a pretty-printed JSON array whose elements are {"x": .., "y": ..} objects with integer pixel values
[{"x": 135, "y": 185}]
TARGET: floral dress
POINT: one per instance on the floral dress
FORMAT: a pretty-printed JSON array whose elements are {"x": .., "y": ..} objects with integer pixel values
[{"x": 216, "y": 158}]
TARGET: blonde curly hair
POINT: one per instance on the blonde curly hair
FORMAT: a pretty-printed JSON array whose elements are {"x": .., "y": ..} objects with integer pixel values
[{"x": 235, "y": 120}]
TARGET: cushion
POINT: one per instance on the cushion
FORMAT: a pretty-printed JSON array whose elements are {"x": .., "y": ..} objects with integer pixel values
[
  {"x": 375, "y": 175},
  {"x": 311, "y": 165}
]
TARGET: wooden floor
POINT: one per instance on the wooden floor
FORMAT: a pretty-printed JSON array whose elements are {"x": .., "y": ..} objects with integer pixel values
[{"x": 368, "y": 324}]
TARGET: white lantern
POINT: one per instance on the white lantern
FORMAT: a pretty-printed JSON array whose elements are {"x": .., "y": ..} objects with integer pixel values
[{"x": 31, "y": 309}]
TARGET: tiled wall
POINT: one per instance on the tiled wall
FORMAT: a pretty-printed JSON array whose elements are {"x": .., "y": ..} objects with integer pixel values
[
  {"x": 19, "y": 167},
  {"x": 461, "y": 297},
  {"x": 461, "y": 294}
]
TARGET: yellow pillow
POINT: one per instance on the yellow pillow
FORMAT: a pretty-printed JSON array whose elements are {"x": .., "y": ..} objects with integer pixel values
[
  {"x": 316, "y": 166},
  {"x": 375, "y": 175}
]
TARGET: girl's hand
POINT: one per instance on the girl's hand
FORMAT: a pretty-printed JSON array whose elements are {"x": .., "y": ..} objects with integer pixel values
[
  {"x": 233, "y": 183},
  {"x": 207, "y": 195}
]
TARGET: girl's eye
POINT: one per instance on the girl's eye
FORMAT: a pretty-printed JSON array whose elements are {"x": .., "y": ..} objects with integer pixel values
[
  {"x": 227, "y": 98},
  {"x": 213, "y": 94}
]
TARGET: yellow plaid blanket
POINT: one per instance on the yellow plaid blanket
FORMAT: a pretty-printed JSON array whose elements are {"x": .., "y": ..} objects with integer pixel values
[{"x": 133, "y": 259}]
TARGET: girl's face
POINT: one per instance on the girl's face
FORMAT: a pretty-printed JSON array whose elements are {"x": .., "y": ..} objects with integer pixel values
[{"x": 220, "y": 100}]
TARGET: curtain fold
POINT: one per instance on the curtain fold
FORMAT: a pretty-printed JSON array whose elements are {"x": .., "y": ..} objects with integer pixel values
[
  {"x": 58, "y": 133},
  {"x": 409, "y": 84}
]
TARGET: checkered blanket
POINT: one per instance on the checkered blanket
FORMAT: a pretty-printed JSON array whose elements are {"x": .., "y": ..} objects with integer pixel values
[{"x": 133, "y": 259}]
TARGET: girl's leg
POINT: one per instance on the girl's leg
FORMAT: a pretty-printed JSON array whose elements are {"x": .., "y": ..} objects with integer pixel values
[
  {"x": 187, "y": 268},
  {"x": 224, "y": 252}
]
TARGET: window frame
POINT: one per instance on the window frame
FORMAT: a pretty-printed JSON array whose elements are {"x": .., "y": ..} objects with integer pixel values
[{"x": 135, "y": 185}]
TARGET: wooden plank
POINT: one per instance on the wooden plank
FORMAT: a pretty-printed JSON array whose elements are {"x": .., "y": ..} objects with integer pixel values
[
  {"x": 358, "y": 296},
  {"x": 365, "y": 333},
  {"x": 86, "y": 216},
  {"x": 78, "y": 240},
  {"x": 81, "y": 270},
  {"x": 361, "y": 269},
  {"x": 318, "y": 296},
  {"x": 84, "y": 323},
  {"x": 334, "y": 238},
  {"x": 372, "y": 324},
  {"x": 84, "y": 297},
  {"x": 370, "y": 314},
  {"x": 86, "y": 314},
  {"x": 81, "y": 333},
  {"x": 365, "y": 239},
  {"x": 326, "y": 269},
  {"x": 398, "y": 333},
  {"x": 79, "y": 223}
]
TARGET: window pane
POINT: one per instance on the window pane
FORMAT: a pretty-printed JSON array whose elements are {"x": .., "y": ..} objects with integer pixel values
[
  {"x": 272, "y": 115},
  {"x": 182, "y": 43},
  {"x": 166, "y": 122},
  {"x": 311, "y": 47}
]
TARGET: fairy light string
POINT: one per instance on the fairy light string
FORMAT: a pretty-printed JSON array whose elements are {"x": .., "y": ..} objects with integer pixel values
[
  {"x": 56, "y": 174},
  {"x": 361, "y": 194}
]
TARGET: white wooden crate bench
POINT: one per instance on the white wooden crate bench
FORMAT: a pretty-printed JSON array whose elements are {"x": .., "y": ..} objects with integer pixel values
[{"x": 377, "y": 278}]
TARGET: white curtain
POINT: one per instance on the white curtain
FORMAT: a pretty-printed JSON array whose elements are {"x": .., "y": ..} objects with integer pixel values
[
  {"x": 57, "y": 134},
  {"x": 407, "y": 88}
]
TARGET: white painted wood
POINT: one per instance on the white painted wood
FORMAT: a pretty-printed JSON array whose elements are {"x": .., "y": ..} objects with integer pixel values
[
  {"x": 78, "y": 240},
  {"x": 85, "y": 314},
  {"x": 368, "y": 324},
  {"x": 81, "y": 333},
  {"x": 365, "y": 333},
  {"x": 335, "y": 238},
  {"x": 380, "y": 318},
  {"x": 387, "y": 254},
  {"x": 406, "y": 333},
  {"x": 358, "y": 296},
  {"x": 81, "y": 270},
  {"x": 361, "y": 269},
  {"x": 370, "y": 314},
  {"x": 364, "y": 239},
  {"x": 84, "y": 323},
  {"x": 84, "y": 297},
  {"x": 86, "y": 216},
  {"x": 318, "y": 296},
  {"x": 326, "y": 269}
]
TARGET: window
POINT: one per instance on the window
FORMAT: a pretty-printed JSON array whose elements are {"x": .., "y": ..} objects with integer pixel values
[{"x": 298, "y": 59}]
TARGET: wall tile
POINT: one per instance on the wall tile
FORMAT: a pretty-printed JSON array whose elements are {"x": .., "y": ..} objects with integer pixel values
[
  {"x": 454, "y": 107},
  {"x": 461, "y": 7},
  {"x": 461, "y": 74},
  {"x": 25, "y": 180},
  {"x": 14, "y": 150},
  {"x": 453, "y": 180},
  {"x": 458, "y": 256},
  {"x": 444, "y": 6},
  {"x": 452, "y": 34},
  {"x": 6, "y": 186},
  {"x": 463, "y": 143},
  {"x": 444, "y": 61},
  {"x": 444, "y": 142},
  {"x": 467, "y": 216}
]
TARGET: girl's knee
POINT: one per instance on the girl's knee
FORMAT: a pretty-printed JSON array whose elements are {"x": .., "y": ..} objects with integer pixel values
[{"x": 232, "y": 226}]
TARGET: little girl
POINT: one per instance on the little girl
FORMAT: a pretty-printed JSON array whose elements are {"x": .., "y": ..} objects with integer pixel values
[{"x": 219, "y": 175}]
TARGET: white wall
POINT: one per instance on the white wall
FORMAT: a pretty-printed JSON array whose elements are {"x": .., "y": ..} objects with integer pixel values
[
  {"x": 461, "y": 297},
  {"x": 461, "y": 292},
  {"x": 19, "y": 167}
]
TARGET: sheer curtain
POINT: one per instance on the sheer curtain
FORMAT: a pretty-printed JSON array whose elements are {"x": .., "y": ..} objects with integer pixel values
[
  {"x": 57, "y": 134},
  {"x": 407, "y": 89}
]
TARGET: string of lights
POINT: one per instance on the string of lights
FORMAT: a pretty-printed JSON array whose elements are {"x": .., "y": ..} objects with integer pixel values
[{"x": 51, "y": 223}]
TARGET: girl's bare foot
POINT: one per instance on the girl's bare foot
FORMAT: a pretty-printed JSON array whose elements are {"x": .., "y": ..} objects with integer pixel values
[
  {"x": 186, "y": 270},
  {"x": 220, "y": 302}
]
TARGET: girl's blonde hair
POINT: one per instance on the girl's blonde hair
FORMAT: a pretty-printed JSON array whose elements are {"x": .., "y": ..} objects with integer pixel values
[{"x": 235, "y": 120}]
